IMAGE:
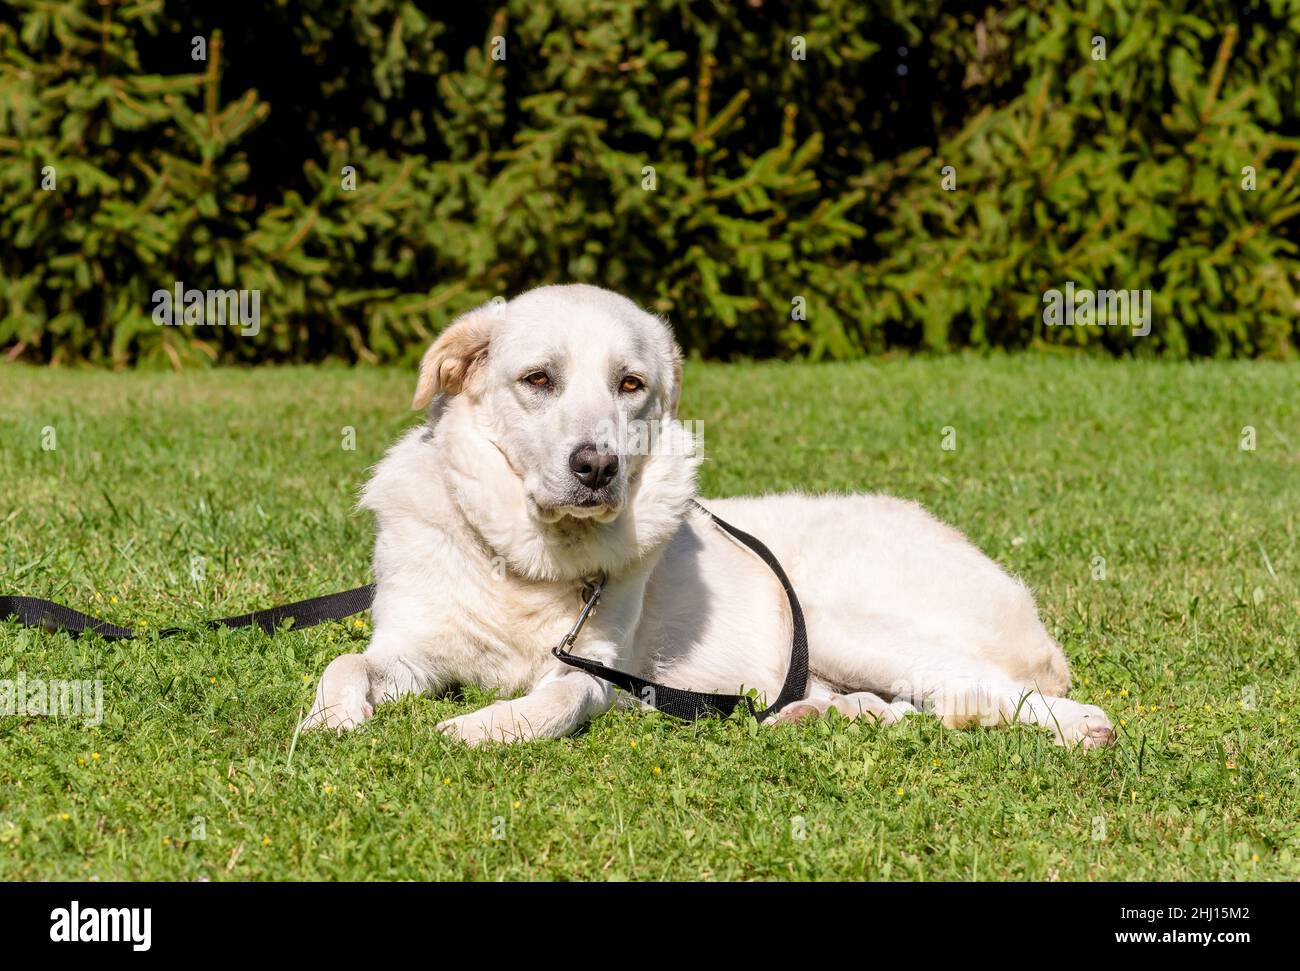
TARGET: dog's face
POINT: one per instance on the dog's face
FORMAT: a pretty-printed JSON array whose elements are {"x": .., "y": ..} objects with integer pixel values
[{"x": 569, "y": 383}]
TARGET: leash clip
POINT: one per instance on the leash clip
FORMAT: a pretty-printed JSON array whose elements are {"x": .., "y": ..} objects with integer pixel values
[{"x": 591, "y": 590}]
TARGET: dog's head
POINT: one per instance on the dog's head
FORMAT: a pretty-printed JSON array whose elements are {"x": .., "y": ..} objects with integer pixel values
[{"x": 574, "y": 386}]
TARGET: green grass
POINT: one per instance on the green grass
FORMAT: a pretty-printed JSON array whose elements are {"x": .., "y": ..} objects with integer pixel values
[{"x": 1058, "y": 461}]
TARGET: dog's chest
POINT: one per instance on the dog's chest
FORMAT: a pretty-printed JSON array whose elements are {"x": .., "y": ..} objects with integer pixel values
[{"x": 505, "y": 644}]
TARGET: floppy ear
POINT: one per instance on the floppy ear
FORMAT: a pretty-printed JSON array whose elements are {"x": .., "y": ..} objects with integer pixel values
[
  {"x": 454, "y": 357},
  {"x": 677, "y": 381}
]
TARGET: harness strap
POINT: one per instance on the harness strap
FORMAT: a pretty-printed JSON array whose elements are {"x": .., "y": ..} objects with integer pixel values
[
  {"x": 690, "y": 705},
  {"x": 678, "y": 702}
]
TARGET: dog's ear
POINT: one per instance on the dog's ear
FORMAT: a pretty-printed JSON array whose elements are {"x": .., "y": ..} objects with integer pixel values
[
  {"x": 453, "y": 358},
  {"x": 677, "y": 381}
]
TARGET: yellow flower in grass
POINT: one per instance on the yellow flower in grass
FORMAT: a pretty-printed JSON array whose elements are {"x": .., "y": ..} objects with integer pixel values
[
  {"x": 266, "y": 841},
  {"x": 65, "y": 816},
  {"x": 1123, "y": 692},
  {"x": 901, "y": 790},
  {"x": 212, "y": 680},
  {"x": 94, "y": 756},
  {"x": 658, "y": 771}
]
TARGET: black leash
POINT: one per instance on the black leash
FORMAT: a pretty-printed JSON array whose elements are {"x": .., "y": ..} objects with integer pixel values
[
  {"x": 678, "y": 702},
  {"x": 46, "y": 614}
]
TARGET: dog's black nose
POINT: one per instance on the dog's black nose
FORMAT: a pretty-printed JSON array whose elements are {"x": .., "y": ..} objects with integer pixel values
[{"x": 593, "y": 468}]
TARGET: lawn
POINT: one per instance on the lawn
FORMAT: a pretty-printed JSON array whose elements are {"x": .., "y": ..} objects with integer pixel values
[{"x": 1163, "y": 555}]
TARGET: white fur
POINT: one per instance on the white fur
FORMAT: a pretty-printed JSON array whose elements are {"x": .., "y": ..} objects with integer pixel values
[{"x": 483, "y": 542}]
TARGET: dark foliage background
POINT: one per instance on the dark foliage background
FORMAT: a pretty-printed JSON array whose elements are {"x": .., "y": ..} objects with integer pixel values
[{"x": 775, "y": 178}]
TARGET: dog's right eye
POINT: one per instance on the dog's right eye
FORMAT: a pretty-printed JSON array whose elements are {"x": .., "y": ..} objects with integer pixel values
[{"x": 538, "y": 379}]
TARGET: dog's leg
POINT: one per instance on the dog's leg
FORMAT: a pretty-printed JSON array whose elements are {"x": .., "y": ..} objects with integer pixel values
[
  {"x": 1070, "y": 722},
  {"x": 965, "y": 692},
  {"x": 354, "y": 684},
  {"x": 560, "y": 703},
  {"x": 894, "y": 659}
]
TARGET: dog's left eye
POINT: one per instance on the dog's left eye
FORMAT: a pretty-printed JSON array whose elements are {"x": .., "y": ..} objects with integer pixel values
[{"x": 631, "y": 383}]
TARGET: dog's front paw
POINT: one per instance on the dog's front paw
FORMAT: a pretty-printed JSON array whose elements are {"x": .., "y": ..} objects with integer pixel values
[
  {"x": 342, "y": 698},
  {"x": 498, "y": 722},
  {"x": 340, "y": 714}
]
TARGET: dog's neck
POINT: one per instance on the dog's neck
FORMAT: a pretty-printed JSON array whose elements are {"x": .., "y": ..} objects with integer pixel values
[{"x": 492, "y": 502}]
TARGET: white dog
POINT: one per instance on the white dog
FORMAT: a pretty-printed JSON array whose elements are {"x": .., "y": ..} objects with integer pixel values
[{"x": 533, "y": 474}]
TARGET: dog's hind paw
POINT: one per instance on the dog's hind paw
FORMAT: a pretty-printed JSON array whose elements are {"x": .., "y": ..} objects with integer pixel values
[
  {"x": 1087, "y": 728},
  {"x": 797, "y": 712},
  {"x": 861, "y": 704}
]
